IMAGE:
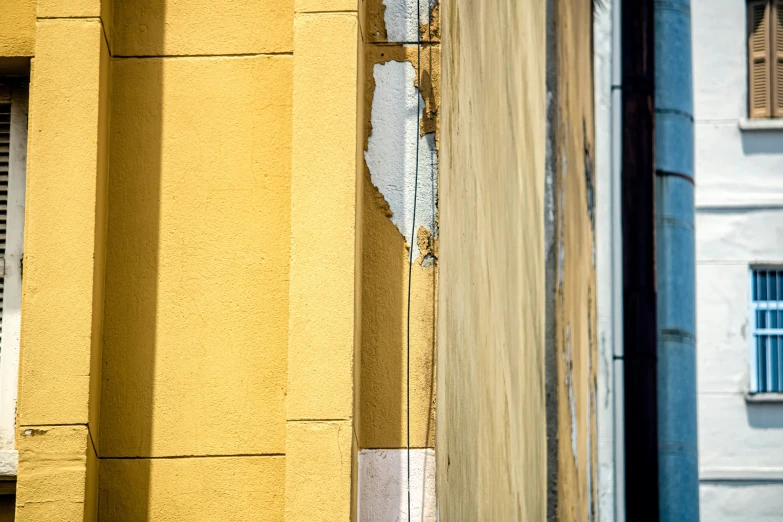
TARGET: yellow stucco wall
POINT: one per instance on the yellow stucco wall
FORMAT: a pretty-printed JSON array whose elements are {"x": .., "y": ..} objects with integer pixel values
[
  {"x": 63, "y": 278},
  {"x": 196, "y": 315},
  {"x": 165, "y": 174},
  {"x": 17, "y": 27},
  {"x": 491, "y": 438},
  {"x": 322, "y": 360},
  {"x": 204, "y": 251}
]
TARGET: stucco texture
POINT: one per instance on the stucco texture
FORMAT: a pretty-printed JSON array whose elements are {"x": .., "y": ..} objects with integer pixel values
[
  {"x": 63, "y": 279},
  {"x": 201, "y": 27},
  {"x": 385, "y": 281},
  {"x": 324, "y": 284},
  {"x": 490, "y": 433},
  {"x": 196, "y": 315},
  {"x": 17, "y": 27}
]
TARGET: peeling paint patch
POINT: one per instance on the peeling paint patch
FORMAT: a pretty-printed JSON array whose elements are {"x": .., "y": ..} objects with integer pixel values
[
  {"x": 567, "y": 359},
  {"x": 383, "y": 485},
  {"x": 397, "y": 109},
  {"x": 403, "y": 18}
]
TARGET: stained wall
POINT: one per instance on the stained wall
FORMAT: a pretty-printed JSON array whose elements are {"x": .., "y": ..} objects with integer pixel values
[
  {"x": 572, "y": 348},
  {"x": 516, "y": 429},
  {"x": 400, "y": 264},
  {"x": 491, "y": 420}
]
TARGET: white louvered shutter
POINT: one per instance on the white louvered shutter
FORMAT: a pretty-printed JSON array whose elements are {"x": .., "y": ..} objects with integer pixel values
[{"x": 13, "y": 160}]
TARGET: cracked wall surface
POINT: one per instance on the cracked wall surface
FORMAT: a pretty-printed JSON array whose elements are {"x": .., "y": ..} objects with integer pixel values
[
  {"x": 400, "y": 255},
  {"x": 572, "y": 354}
]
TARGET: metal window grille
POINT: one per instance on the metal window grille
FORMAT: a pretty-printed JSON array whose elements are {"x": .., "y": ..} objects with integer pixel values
[{"x": 767, "y": 338}]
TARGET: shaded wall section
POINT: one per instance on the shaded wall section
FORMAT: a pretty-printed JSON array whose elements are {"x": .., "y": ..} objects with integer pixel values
[
  {"x": 400, "y": 265},
  {"x": 572, "y": 362},
  {"x": 491, "y": 425},
  {"x": 194, "y": 362}
]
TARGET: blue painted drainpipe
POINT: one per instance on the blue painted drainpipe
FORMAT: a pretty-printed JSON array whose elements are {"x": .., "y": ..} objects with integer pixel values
[{"x": 676, "y": 267}]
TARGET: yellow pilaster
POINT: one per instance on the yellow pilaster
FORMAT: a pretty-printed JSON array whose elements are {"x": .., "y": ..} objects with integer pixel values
[
  {"x": 321, "y": 432},
  {"x": 62, "y": 300}
]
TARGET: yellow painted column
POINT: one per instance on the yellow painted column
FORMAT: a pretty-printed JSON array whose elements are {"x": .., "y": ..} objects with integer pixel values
[
  {"x": 62, "y": 301},
  {"x": 323, "y": 331}
]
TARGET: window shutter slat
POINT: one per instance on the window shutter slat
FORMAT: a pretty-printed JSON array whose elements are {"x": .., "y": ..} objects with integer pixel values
[
  {"x": 777, "y": 58},
  {"x": 759, "y": 59},
  {"x": 5, "y": 142}
]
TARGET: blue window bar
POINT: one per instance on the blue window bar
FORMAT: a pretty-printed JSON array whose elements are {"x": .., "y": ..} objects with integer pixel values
[{"x": 767, "y": 340}]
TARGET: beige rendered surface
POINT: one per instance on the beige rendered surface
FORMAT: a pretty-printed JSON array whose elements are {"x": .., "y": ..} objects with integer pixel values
[{"x": 490, "y": 417}]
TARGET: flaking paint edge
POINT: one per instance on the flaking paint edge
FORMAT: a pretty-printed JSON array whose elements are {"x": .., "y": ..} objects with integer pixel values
[{"x": 391, "y": 155}]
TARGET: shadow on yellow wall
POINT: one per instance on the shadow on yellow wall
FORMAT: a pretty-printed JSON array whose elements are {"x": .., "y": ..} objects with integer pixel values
[{"x": 131, "y": 302}]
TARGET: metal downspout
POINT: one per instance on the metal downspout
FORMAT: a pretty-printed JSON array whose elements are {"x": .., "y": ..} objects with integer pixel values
[
  {"x": 617, "y": 371},
  {"x": 678, "y": 477}
]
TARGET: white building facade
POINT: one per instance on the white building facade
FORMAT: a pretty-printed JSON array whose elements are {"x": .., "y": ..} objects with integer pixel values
[
  {"x": 739, "y": 248},
  {"x": 738, "y": 115}
]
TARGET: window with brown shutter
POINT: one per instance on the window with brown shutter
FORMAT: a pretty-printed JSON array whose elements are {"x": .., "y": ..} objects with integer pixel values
[
  {"x": 776, "y": 46},
  {"x": 765, "y": 58}
]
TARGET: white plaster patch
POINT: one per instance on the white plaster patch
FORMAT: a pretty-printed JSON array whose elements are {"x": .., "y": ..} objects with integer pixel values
[
  {"x": 402, "y": 18},
  {"x": 397, "y": 107},
  {"x": 571, "y": 400},
  {"x": 383, "y": 485}
]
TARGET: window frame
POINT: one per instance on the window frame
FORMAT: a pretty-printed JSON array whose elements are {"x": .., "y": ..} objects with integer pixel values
[
  {"x": 773, "y": 60},
  {"x": 15, "y": 90},
  {"x": 756, "y": 305}
]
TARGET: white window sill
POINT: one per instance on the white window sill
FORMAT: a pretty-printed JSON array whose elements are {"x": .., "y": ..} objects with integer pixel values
[
  {"x": 759, "y": 124},
  {"x": 740, "y": 474},
  {"x": 764, "y": 398}
]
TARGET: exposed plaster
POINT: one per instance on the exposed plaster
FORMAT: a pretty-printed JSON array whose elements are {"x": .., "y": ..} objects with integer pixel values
[
  {"x": 403, "y": 18},
  {"x": 383, "y": 485},
  {"x": 569, "y": 370},
  {"x": 397, "y": 109}
]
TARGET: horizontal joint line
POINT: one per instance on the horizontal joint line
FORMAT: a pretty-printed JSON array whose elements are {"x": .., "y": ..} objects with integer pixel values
[
  {"x": 318, "y": 420},
  {"x": 404, "y": 448},
  {"x": 51, "y": 425},
  {"x": 69, "y": 18},
  {"x": 175, "y": 457},
  {"x": 677, "y": 112},
  {"x": 423, "y": 43},
  {"x": 666, "y": 173},
  {"x": 238, "y": 55},
  {"x": 325, "y": 12}
]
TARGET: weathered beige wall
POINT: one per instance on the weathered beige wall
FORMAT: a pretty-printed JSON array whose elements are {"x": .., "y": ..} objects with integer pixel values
[
  {"x": 573, "y": 292},
  {"x": 490, "y": 414}
]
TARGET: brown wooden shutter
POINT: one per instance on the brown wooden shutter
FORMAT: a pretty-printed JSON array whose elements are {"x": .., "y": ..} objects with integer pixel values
[
  {"x": 759, "y": 15},
  {"x": 777, "y": 58}
]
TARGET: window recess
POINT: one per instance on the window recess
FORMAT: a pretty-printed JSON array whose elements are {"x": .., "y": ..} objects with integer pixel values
[
  {"x": 765, "y": 58},
  {"x": 13, "y": 160},
  {"x": 766, "y": 350}
]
